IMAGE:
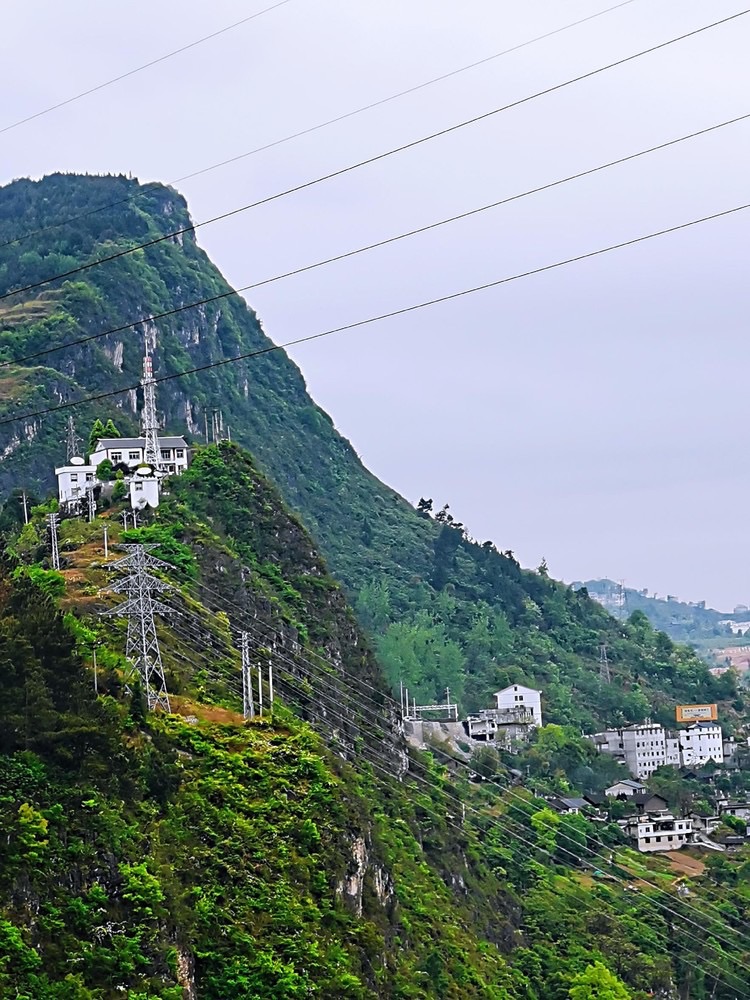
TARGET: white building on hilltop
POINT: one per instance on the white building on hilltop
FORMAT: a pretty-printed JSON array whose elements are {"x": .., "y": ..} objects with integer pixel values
[
  {"x": 173, "y": 453},
  {"x": 518, "y": 710},
  {"x": 74, "y": 479},
  {"x": 517, "y": 698}
]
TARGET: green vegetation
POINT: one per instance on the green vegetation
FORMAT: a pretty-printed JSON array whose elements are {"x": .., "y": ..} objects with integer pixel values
[
  {"x": 142, "y": 854},
  {"x": 443, "y": 609},
  {"x": 145, "y": 854}
]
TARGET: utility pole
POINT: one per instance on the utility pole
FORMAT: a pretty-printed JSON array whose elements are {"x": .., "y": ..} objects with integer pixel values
[
  {"x": 90, "y": 501},
  {"x": 24, "y": 500},
  {"x": 151, "y": 452},
  {"x": 53, "y": 520},
  {"x": 248, "y": 708},
  {"x": 142, "y": 643},
  {"x": 125, "y": 517},
  {"x": 205, "y": 426},
  {"x": 270, "y": 684},
  {"x": 96, "y": 677},
  {"x": 605, "y": 675},
  {"x": 73, "y": 441},
  {"x": 106, "y": 545},
  {"x": 260, "y": 690}
]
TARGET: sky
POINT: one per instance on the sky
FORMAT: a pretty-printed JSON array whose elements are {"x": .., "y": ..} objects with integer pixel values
[{"x": 594, "y": 415}]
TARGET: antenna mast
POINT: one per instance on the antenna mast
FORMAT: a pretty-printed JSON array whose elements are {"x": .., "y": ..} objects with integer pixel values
[
  {"x": 73, "y": 441},
  {"x": 151, "y": 451}
]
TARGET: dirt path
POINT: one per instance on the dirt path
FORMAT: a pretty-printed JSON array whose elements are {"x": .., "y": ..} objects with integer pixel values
[{"x": 684, "y": 864}]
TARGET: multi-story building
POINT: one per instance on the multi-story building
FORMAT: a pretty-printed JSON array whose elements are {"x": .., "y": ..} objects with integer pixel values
[
  {"x": 129, "y": 451},
  {"x": 518, "y": 710},
  {"x": 74, "y": 479},
  {"x": 646, "y": 746},
  {"x": 701, "y": 743},
  {"x": 517, "y": 697},
  {"x": 659, "y": 831}
]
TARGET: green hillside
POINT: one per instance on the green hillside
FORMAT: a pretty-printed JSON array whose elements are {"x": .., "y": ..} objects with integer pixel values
[
  {"x": 195, "y": 855},
  {"x": 443, "y": 610}
]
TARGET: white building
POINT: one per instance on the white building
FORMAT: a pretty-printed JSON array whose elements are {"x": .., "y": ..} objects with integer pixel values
[
  {"x": 517, "y": 697},
  {"x": 644, "y": 748},
  {"x": 72, "y": 480},
  {"x": 659, "y": 831},
  {"x": 129, "y": 451},
  {"x": 144, "y": 490},
  {"x": 626, "y": 788},
  {"x": 700, "y": 743}
]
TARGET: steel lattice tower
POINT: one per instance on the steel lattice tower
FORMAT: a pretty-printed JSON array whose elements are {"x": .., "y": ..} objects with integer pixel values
[
  {"x": 151, "y": 451},
  {"x": 73, "y": 441},
  {"x": 143, "y": 644}
]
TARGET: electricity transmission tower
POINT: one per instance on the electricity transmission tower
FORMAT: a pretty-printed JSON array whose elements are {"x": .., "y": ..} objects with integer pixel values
[
  {"x": 248, "y": 707},
  {"x": 605, "y": 674},
  {"x": 73, "y": 441},
  {"x": 143, "y": 644},
  {"x": 53, "y": 520},
  {"x": 151, "y": 452}
]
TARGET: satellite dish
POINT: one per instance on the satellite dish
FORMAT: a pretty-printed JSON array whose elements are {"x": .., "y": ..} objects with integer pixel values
[
  {"x": 77, "y": 461},
  {"x": 144, "y": 470}
]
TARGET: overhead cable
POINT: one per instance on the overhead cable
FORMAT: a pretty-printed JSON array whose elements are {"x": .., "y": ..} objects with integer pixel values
[
  {"x": 370, "y": 246},
  {"x": 139, "y": 69},
  {"x": 174, "y": 234},
  {"x": 325, "y": 124},
  {"x": 403, "y": 311}
]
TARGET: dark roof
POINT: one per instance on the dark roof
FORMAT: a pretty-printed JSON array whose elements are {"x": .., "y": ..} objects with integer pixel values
[
  {"x": 641, "y": 798},
  {"x": 165, "y": 442}
]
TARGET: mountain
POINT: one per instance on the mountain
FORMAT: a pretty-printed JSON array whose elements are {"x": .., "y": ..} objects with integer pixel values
[
  {"x": 442, "y": 609},
  {"x": 690, "y": 622},
  {"x": 197, "y": 856}
]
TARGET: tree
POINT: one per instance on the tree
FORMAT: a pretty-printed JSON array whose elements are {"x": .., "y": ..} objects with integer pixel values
[
  {"x": 97, "y": 431},
  {"x": 105, "y": 471},
  {"x": 596, "y": 982},
  {"x": 110, "y": 430},
  {"x": 424, "y": 507}
]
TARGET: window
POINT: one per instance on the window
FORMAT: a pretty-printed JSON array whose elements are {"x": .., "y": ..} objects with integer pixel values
[
  {"x": 648, "y": 840},
  {"x": 74, "y": 477},
  {"x": 138, "y": 486},
  {"x": 89, "y": 477},
  {"x": 166, "y": 453},
  {"x": 134, "y": 455},
  {"x": 115, "y": 456},
  {"x": 179, "y": 453}
]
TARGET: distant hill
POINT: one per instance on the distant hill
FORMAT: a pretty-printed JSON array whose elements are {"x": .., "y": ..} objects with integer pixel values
[{"x": 690, "y": 622}]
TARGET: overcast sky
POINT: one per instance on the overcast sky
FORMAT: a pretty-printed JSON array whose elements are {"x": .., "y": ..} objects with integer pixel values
[{"x": 594, "y": 415}]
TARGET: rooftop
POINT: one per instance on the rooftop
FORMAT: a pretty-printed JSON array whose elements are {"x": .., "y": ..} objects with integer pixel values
[{"x": 104, "y": 444}]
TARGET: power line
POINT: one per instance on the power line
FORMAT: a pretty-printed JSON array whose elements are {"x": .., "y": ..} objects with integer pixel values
[
  {"x": 139, "y": 69},
  {"x": 333, "y": 711},
  {"x": 333, "y": 707},
  {"x": 370, "y": 160},
  {"x": 373, "y": 246},
  {"x": 403, "y": 311},
  {"x": 358, "y": 702},
  {"x": 328, "y": 122}
]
